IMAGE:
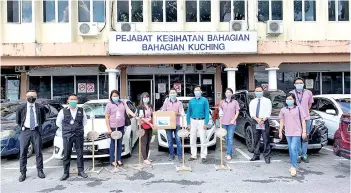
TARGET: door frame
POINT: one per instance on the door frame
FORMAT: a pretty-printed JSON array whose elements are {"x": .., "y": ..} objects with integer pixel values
[{"x": 140, "y": 80}]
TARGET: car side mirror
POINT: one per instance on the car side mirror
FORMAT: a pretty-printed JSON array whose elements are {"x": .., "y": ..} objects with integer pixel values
[{"x": 331, "y": 111}]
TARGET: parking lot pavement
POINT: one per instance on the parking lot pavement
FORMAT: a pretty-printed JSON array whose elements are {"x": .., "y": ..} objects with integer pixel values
[{"x": 325, "y": 173}]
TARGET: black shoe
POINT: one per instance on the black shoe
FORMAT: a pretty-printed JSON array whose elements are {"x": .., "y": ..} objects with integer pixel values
[
  {"x": 41, "y": 174},
  {"x": 180, "y": 159},
  {"x": 254, "y": 158},
  {"x": 64, "y": 177},
  {"x": 171, "y": 158},
  {"x": 203, "y": 160},
  {"x": 305, "y": 159},
  {"x": 82, "y": 174},
  {"x": 22, "y": 177},
  {"x": 191, "y": 159},
  {"x": 299, "y": 159},
  {"x": 267, "y": 160}
]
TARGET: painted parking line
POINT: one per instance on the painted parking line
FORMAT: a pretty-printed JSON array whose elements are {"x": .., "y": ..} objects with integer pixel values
[
  {"x": 243, "y": 153},
  {"x": 342, "y": 159},
  {"x": 327, "y": 148},
  {"x": 259, "y": 161}
]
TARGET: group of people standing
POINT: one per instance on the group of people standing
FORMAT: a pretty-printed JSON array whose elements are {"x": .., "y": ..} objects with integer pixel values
[{"x": 294, "y": 123}]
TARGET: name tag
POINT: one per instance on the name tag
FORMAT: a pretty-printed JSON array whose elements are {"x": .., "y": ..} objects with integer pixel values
[{"x": 260, "y": 127}]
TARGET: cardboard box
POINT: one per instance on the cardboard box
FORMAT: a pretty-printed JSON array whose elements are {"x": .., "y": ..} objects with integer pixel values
[{"x": 164, "y": 120}]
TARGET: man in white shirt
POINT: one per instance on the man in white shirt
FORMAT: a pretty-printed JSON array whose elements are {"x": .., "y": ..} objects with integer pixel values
[
  {"x": 71, "y": 121},
  {"x": 260, "y": 110}
]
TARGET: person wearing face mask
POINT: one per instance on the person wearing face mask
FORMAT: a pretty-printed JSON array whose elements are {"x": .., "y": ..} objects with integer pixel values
[
  {"x": 292, "y": 118},
  {"x": 260, "y": 110},
  {"x": 304, "y": 101},
  {"x": 198, "y": 116},
  {"x": 144, "y": 111},
  {"x": 115, "y": 117},
  {"x": 172, "y": 104},
  {"x": 71, "y": 121},
  {"x": 229, "y": 112},
  {"x": 30, "y": 117}
]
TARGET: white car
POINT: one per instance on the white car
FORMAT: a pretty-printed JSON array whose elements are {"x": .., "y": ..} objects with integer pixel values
[
  {"x": 210, "y": 133},
  {"x": 102, "y": 144},
  {"x": 330, "y": 107}
]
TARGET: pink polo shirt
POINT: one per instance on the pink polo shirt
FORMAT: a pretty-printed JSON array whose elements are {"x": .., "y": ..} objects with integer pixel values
[
  {"x": 176, "y": 106},
  {"x": 291, "y": 119},
  {"x": 306, "y": 99},
  {"x": 117, "y": 113},
  {"x": 229, "y": 110}
]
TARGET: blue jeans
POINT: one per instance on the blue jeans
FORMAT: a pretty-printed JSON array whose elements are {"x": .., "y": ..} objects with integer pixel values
[
  {"x": 119, "y": 146},
  {"x": 293, "y": 143},
  {"x": 169, "y": 133},
  {"x": 304, "y": 145},
  {"x": 229, "y": 138}
]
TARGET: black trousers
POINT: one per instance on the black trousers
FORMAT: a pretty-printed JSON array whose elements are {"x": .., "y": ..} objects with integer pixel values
[
  {"x": 145, "y": 143},
  {"x": 25, "y": 137},
  {"x": 257, "y": 139},
  {"x": 67, "y": 152}
]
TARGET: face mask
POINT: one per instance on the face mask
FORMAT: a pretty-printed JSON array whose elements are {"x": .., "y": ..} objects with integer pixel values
[
  {"x": 197, "y": 93},
  {"x": 73, "y": 104},
  {"x": 228, "y": 95},
  {"x": 172, "y": 96},
  {"x": 31, "y": 99},
  {"x": 289, "y": 102},
  {"x": 115, "y": 99},
  {"x": 146, "y": 100},
  {"x": 299, "y": 86},
  {"x": 258, "y": 94}
]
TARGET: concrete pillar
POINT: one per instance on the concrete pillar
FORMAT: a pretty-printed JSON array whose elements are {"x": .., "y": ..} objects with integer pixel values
[
  {"x": 231, "y": 78},
  {"x": 24, "y": 85},
  {"x": 272, "y": 78},
  {"x": 251, "y": 77},
  {"x": 124, "y": 83},
  {"x": 218, "y": 94},
  {"x": 112, "y": 79}
]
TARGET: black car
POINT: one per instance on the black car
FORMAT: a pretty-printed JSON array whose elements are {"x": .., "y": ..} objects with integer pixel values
[
  {"x": 318, "y": 136},
  {"x": 10, "y": 131}
]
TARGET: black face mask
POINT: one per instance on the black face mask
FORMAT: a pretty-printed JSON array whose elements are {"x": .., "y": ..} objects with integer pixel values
[{"x": 31, "y": 99}]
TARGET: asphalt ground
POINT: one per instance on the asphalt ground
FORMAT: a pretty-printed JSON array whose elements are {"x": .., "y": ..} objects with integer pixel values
[{"x": 325, "y": 173}]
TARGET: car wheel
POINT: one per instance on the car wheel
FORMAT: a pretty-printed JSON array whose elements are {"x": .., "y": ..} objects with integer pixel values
[
  {"x": 30, "y": 149},
  {"x": 336, "y": 146},
  {"x": 249, "y": 139}
]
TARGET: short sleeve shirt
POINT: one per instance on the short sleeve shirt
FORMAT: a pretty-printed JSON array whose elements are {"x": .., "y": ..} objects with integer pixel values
[
  {"x": 229, "y": 110},
  {"x": 117, "y": 113},
  {"x": 292, "y": 122},
  {"x": 306, "y": 98}
]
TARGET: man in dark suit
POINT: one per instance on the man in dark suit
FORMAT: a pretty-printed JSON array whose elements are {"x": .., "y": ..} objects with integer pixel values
[{"x": 30, "y": 116}]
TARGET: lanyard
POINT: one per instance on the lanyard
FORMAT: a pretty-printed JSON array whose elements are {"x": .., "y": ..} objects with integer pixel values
[{"x": 297, "y": 95}]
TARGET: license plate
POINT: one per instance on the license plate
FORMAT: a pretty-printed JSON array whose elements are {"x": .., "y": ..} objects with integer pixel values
[{"x": 89, "y": 148}]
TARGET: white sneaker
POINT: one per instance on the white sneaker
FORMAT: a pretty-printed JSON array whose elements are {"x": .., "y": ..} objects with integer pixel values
[
  {"x": 147, "y": 162},
  {"x": 228, "y": 157},
  {"x": 293, "y": 172}
]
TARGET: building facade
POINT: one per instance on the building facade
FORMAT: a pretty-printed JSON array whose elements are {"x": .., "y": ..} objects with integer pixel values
[{"x": 90, "y": 47}]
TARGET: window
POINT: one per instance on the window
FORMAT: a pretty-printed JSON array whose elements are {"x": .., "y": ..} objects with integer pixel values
[
  {"x": 177, "y": 82},
  {"x": 96, "y": 15},
  {"x": 314, "y": 78},
  {"x": 62, "y": 87},
  {"x": 55, "y": 11},
  {"x": 130, "y": 11},
  {"x": 270, "y": 10},
  {"x": 41, "y": 84},
  {"x": 207, "y": 87},
  {"x": 198, "y": 10},
  {"x": 346, "y": 82},
  {"x": 338, "y": 10},
  {"x": 103, "y": 87},
  {"x": 191, "y": 81},
  {"x": 331, "y": 82},
  {"x": 304, "y": 10},
  {"x": 232, "y": 10},
  {"x": 285, "y": 81},
  {"x": 164, "y": 9},
  {"x": 19, "y": 11},
  {"x": 86, "y": 88},
  {"x": 325, "y": 105}
]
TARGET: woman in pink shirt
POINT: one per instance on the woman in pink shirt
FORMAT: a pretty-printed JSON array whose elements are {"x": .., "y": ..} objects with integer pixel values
[
  {"x": 115, "y": 118},
  {"x": 145, "y": 113},
  {"x": 293, "y": 119}
]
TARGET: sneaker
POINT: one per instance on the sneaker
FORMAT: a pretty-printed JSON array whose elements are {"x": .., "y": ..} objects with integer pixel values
[
  {"x": 180, "y": 159},
  {"x": 171, "y": 158},
  {"x": 150, "y": 160},
  {"x": 293, "y": 172},
  {"x": 203, "y": 160},
  {"x": 147, "y": 162},
  {"x": 191, "y": 159},
  {"x": 305, "y": 159},
  {"x": 299, "y": 159},
  {"x": 228, "y": 157}
]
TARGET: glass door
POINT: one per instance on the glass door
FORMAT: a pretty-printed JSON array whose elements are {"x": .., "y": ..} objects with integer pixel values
[{"x": 137, "y": 87}]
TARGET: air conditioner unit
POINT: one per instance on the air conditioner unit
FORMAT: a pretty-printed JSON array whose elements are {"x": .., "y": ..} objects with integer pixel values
[
  {"x": 200, "y": 67},
  {"x": 238, "y": 25},
  {"x": 179, "y": 67},
  {"x": 20, "y": 69},
  {"x": 127, "y": 27},
  {"x": 275, "y": 27},
  {"x": 88, "y": 29}
]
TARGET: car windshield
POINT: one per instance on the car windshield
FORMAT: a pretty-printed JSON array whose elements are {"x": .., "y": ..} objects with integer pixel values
[
  {"x": 185, "y": 105},
  {"x": 96, "y": 109},
  {"x": 7, "y": 109},
  {"x": 345, "y": 104}
]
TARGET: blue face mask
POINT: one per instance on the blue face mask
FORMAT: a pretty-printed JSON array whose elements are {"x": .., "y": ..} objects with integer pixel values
[
  {"x": 258, "y": 94},
  {"x": 197, "y": 93},
  {"x": 289, "y": 102},
  {"x": 115, "y": 99},
  {"x": 146, "y": 100},
  {"x": 173, "y": 96},
  {"x": 299, "y": 86}
]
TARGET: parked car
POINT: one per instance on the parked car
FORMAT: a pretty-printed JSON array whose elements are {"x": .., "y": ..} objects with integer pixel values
[
  {"x": 331, "y": 107},
  {"x": 245, "y": 124},
  {"x": 342, "y": 144},
  {"x": 10, "y": 131},
  {"x": 210, "y": 133},
  {"x": 102, "y": 144}
]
